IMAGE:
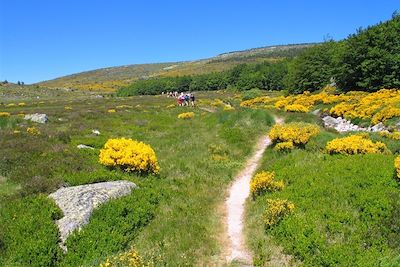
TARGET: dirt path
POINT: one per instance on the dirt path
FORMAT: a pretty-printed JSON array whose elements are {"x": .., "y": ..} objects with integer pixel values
[{"x": 234, "y": 204}]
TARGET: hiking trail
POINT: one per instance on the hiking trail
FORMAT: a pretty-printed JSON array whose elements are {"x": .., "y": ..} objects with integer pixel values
[{"x": 234, "y": 204}]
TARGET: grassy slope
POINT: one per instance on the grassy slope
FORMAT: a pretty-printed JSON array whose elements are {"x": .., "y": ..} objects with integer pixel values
[
  {"x": 180, "y": 205},
  {"x": 108, "y": 79},
  {"x": 345, "y": 208}
]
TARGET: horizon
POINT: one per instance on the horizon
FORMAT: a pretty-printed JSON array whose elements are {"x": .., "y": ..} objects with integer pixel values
[{"x": 38, "y": 43}]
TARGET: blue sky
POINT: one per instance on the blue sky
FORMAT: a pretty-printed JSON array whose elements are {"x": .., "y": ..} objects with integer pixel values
[{"x": 45, "y": 39}]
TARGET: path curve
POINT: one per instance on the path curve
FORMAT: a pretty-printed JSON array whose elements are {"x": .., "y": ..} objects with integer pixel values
[{"x": 234, "y": 204}]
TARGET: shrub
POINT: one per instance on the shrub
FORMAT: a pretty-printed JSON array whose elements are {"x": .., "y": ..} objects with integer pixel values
[
  {"x": 29, "y": 236},
  {"x": 397, "y": 166},
  {"x": 251, "y": 94},
  {"x": 113, "y": 226},
  {"x": 22, "y": 104},
  {"x": 264, "y": 182},
  {"x": 356, "y": 144},
  {"x": 5, "y": 114},
  {"x": 276, "y": 210},
  {"x": 186, "y": 115},
  {"x": 393, "y": 135},
  {"x": 111, "y": 110},
  {"x": 33, "y": 130},
  {"x": 284, "y": 146},
  {"x": 130, "y": 155},
  {"x": 297, "y": 133},
  {"x": 296, "y": 108},
  {"x": 130, "y": 258}
]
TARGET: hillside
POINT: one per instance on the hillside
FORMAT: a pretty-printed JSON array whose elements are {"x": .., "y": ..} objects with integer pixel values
[{"x": 109, "y": 79}]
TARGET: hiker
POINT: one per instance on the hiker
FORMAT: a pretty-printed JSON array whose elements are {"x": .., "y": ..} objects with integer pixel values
[
  {"x": 192, "y": 99},
  {"x": 181, "y": 99},
  {"x": 186, "y": 99}
]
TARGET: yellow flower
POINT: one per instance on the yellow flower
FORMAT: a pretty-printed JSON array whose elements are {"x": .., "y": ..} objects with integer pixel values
[
  {"x": 264, "y": 182},
  {"x": 391, "y": 135},
  {"x": 276, "y": 210},
  {"x": 111, "y": 110},
  {"x": 296, "y": 108},
  {"x": 5, "y": 114},
  {"x": 22, "y": 104},
  {"x": 284, "y": 146},
  {"x": 228, "y": 108},
  {"x": 130, "y": 155},
  {"x": 67, "y": 108},
  {"x": 356, "y": 144},
  {"x": 296, "y": 133},
  {"x": 397, "y": 166},
  {"x": 33, "y": 130},
  {"x": 186, "y": 115}
]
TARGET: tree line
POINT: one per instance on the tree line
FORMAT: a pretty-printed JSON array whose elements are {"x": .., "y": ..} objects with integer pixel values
[{"x": 367, "y": 60}]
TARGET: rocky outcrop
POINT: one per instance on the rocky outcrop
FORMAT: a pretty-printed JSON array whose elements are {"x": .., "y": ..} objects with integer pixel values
[
  {"x": 39, "y": 118},
  {"x": 342, "y": 125},
  {"x": 96, "y": 132},
  {"x": 78, "y": 203},
  {"x": 82, "y": 146}
]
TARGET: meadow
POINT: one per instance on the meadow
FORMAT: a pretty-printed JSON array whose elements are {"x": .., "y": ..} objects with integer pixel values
[
  {"x": 171, "y": 219},
  {"x": 346, "y": 207}
]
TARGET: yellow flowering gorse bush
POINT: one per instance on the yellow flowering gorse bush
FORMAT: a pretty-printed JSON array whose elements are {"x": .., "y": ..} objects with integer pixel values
[
  {"x": 186, "y": 115},
  {"x": 376, "y": 107},
  {"x": 264, "y": 182},
  {"x": 296, "y": 108},
  {"x": 355, "y": 144},
  {"x": 130, "y": 258},
  {"x": 276, "y": 210},
  {"x": 33, "y": 130},
  {"x": 284, "y": 146},
  {"x": 392, "y": 135},
  {"x": 397, "y": 166},
  {"x": 4, "y": 114},
  {"x": 111, "y": 110},
  {"x": 130, "y": 155},
  {"x": 297, "y": 133}
]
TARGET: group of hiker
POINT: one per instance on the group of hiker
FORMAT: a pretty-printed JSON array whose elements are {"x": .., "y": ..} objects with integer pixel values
[{"x": 183, "y": 99}]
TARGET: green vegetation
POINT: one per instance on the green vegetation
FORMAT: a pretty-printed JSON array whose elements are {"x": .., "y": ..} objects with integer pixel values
[
  {"x": 346, "y": 208},
  {"x": 265, "y": 76},
  {"x": 170, "y": 219},
  {"x": 111, "y": 79},
  {"x": 367, "y": 60}
]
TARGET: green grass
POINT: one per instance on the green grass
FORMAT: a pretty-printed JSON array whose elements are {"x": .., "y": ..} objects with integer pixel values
[
  {"x": 347, "y": 209},
  {"x": 172, "y": 219}
]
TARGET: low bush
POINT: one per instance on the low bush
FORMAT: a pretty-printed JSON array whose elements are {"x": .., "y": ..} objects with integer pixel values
[
  {"x": 356, "y": 144},
  {"x": 33, "y": 130},
  {"x": 130, "y": 155},
  {"x": 5, "y": 114},
  {"x": 297, "y": 133},
  {"x": 284, "y": 146},
  {"x": 130, "y": 258},
  {"x": 264, "y": 182},
  {"x": 397, "y": 166},
  {"x": 186, "y": 115},
  {"x": 276, "y": 210},
  {"x": 296, "y": 108},
  {"x": 29, "y": 236},
  {"x": 112, "y": 226}
]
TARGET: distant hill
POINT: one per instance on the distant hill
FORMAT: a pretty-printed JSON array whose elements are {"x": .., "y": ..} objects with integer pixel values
[{"x": 110, "y": 79}]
